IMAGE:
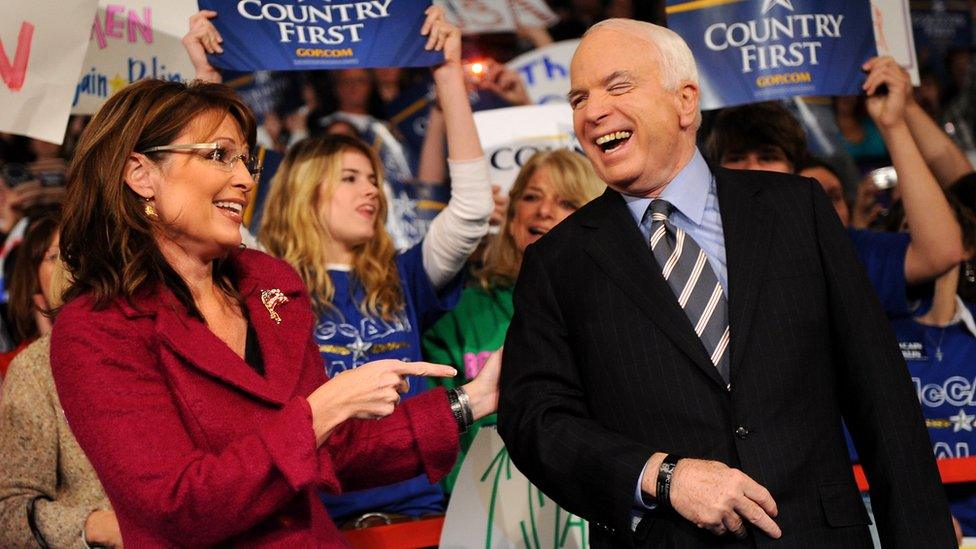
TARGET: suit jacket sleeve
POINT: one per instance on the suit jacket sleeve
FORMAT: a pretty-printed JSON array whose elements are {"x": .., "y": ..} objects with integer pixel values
[
  {"x": 543, "y": 413},
  {"x": 878, "y": 401}
]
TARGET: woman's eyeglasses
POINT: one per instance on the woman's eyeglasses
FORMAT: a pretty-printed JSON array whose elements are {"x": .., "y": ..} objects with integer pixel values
[{"x": 223, "y": 155}]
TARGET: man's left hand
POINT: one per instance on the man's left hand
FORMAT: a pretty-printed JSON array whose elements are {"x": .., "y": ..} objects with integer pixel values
[{"x": 716, "y": 497}]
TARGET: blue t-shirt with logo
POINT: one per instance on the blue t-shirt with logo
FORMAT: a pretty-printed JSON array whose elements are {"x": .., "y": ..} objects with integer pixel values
[
  {"x": 348, "y": 339},
  {"x": 942, "y": 363}
]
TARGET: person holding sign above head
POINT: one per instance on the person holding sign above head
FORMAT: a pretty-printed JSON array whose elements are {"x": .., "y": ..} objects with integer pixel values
[
  {"x": 325, "y": 216},
  {"x": 765, "y": 136},
  {"x": 187, "y": 367},
  {"x": 684, "y": 348}
]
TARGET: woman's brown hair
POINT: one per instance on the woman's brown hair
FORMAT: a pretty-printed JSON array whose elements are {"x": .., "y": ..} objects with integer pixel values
[
  {"x": 107, "y": 239},
  {"x": 292, "y": 229},
  {"x": 24, "y": 282}
]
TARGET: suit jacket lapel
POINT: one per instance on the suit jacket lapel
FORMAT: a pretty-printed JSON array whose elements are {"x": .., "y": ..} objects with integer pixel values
[
  {"x": 748, "y": 224},
  {"x": 619, "y": 249}
]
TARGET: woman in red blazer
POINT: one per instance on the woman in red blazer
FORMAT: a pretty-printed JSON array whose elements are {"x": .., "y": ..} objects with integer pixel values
[{"x": 186, "y": 365}]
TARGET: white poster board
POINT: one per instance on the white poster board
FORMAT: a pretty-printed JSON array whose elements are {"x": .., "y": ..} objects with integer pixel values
[
  {"x": 508, "y": 146},
  {"x": 132, "y": 40},
  {"x": 485, "y": 16},
  {"x": 495, "y": 507},
  {"x": 893, "y": 33},
  {"x": 42, "y": 46},
  {"x": 545, "y": 71}
]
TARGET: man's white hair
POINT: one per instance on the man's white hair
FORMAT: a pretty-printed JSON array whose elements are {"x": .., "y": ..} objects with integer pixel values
[{"x": 676, "y": 62}]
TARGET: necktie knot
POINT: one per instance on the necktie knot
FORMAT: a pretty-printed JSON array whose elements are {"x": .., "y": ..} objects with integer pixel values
[{"x": 660, "y": 210}]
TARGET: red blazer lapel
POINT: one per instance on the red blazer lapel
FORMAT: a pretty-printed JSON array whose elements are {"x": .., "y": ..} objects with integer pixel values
[
  {"x": 198, "y": 347},
  {"x": 282, "y": 344},
  {"x": 284, "y": 336}
]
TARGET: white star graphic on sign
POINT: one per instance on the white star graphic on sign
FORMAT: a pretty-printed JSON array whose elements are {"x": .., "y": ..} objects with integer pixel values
[
  {"x": 962, "y": 421},
  {"x": 768, "y": 5}
]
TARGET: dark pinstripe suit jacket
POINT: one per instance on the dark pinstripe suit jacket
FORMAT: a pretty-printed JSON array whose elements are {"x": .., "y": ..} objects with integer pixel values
[{"x": 602, "y": 368}]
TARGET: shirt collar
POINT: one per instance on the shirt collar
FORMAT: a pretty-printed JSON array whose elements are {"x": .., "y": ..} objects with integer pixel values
[
  {"x": 687, "y": 192},
  {"x": 964, "y": 315}
]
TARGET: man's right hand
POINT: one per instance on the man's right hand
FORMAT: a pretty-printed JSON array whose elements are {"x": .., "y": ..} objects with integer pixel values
[{"x": 717, "y": 498}]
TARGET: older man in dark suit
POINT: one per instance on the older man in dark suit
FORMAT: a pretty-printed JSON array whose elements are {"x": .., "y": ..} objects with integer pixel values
[{"x": 684, "y": 347}]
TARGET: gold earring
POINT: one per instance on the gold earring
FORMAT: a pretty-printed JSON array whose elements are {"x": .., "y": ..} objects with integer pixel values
[{"x": 150, "y": 210}]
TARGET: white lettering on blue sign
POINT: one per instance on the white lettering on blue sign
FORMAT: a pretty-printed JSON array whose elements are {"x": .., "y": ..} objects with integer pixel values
[
  {"x": 301, "y": 23},
  {"x": 751, "y": 38}
]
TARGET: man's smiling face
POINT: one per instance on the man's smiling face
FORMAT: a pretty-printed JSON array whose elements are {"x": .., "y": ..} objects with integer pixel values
[{"x": 633, "y": 130}]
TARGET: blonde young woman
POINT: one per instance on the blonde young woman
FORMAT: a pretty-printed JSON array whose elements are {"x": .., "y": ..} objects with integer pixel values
[
  {"x": 550, "y": 186},
  {"x": 326, "y": 216}
]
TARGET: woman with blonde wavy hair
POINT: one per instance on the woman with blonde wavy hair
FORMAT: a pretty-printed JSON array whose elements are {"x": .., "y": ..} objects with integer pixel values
[
  {"x": 326, "y": 216},
  {"x": 550, "y": 186},
  {"x": 312, "y": 237}
]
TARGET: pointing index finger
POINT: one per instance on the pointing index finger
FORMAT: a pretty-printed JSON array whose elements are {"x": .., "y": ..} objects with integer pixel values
[{"x": 424, "y": 369}]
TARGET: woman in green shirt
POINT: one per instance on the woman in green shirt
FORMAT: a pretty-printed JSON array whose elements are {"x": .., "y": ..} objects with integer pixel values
[{"x": 550, "y": 186}]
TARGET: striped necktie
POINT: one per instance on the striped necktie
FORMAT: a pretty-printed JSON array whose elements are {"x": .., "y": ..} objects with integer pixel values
[{"x": 687, "y": 271}]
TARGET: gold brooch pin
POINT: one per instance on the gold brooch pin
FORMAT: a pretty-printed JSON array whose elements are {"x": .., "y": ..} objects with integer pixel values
[{"x": 271, "y": 299}]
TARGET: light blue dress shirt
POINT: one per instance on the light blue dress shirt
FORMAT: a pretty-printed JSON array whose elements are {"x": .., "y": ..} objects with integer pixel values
[{"x": 692, "y": 193}]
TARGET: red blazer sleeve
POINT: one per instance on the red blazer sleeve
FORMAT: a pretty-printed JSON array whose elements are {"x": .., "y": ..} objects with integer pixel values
[
  {"x": 419, "y": 437},
  {"x": 128, "y": 423}
]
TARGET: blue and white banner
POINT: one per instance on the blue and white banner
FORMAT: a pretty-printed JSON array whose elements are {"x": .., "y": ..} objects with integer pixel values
[
  {"x": 941, "y": 26},
  {"x": 508, "y": 146},
  {"x": 320, "y": 34},
  {"x": 757, "y": 50},
  {"x": 545, "y": 71}
]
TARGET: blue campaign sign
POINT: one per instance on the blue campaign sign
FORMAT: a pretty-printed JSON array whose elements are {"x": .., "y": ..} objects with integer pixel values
[
  {"x": 757, "y": 50},
  {"x": 320, "y": 34},
  {"x": 939, "y": 26}
]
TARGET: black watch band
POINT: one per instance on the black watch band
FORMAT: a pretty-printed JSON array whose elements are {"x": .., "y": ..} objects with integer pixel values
[{"x": 664, "y": 475}]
